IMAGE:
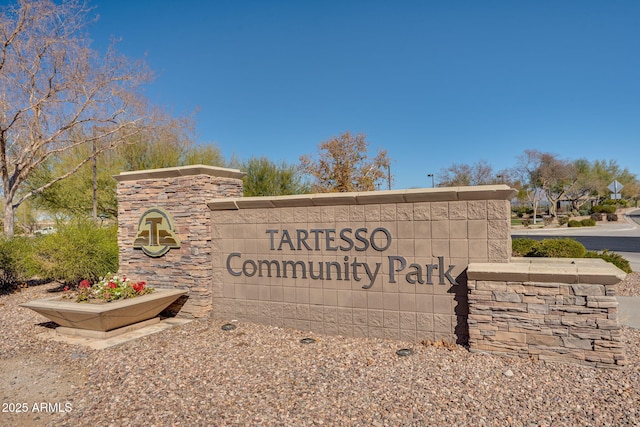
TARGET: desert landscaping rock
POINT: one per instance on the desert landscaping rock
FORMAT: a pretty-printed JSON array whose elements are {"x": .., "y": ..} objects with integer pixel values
[
  {"x": 630, "y": 286},
  {"x": 199, "y": 375}
]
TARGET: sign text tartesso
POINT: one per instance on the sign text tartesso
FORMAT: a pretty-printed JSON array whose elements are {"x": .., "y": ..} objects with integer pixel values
[{"x": 346, "y": 240}]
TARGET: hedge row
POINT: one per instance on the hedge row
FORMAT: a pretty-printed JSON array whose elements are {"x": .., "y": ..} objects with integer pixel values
[
  {"x": 587, "y": 222},
  {"x": 606, "y": 209}
]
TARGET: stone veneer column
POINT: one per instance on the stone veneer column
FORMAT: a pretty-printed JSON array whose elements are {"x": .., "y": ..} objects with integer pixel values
[
  {"x": 183, "y": 192},
  {"x": 548, "y": 309}
]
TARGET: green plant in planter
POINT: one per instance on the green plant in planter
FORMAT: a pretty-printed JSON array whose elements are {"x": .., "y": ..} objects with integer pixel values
[{"x": 109, "y": 288}]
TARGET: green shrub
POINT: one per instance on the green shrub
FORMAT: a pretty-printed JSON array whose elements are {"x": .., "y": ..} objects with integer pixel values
[
  {"x": 620, "y": 202},
  {"x": 16, "y": 262},
  {"x": 521, "y": 211},
  {"x": 559, "y": 248},
  {"x": 612, "y": 257},
  {"x": 588, "y": 222},
  {"x": 612, "y": 217},
  {"x": 523, "y": 246},
  {"x": 78, "y": 250},
  {"x": 574, "y": 223},
  {"x": 603, "y": 209},
  {"x": 562, "y": 220},
  {"x": 565, "y": 248}
]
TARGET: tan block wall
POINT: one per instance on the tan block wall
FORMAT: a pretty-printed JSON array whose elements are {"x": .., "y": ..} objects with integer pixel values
[
  {"x": 469, "y": 227},
  {"x": 183, "y": 193},
  {"x": 554, "y": 310}
]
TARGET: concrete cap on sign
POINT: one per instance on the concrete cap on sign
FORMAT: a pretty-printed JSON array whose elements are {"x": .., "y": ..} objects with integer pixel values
[
  {"x": 481, "y": 192},
  {"x": 254, "y": 203},
  {"x": 179, "y": 171},
  {"x": 548, "y": 270}
]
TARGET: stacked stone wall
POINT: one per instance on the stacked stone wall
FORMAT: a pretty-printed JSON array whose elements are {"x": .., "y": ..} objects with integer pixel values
[
  {"x": 567, "y": 313},
  {"x": 183, "y": 193}
]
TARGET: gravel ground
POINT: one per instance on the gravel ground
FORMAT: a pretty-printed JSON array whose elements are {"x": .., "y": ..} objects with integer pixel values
[
  {"x": 630, "y": 286},
  {"x": 198, "y": 374}
]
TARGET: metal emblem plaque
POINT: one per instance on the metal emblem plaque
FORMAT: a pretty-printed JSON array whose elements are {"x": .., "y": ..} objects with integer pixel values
[{"x": 156, "y": 233}]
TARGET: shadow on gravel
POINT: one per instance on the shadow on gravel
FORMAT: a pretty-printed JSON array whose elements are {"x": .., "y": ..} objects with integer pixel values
[
  {"x": 48, "y": 325},
  {"x": 8, "y": 288}
]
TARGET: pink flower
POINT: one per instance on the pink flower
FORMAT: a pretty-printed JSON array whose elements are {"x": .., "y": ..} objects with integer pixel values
[
  {"x": 112, "y": 285},
  {"x": 85, "y": 284},
  {"x": 66, "y": 288}
]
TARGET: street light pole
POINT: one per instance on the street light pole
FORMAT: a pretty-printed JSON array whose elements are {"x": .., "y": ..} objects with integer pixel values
[
  {"x": 432, "y": 181},
  {"x": 389, "y": 175}
]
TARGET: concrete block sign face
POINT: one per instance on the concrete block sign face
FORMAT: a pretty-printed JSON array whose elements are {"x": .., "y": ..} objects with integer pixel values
[{"x": 156, "y": 233}]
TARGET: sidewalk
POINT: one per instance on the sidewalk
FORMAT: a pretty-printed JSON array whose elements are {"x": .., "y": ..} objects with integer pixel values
[
  {"x": 628, "y": 312},
  {"x": 625, "y": 224}
]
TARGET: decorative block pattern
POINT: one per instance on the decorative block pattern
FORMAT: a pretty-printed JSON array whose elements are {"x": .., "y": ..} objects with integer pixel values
[{"x": 290, "y": 254}]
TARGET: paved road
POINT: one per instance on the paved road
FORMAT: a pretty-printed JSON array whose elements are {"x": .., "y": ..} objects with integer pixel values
[
  {"x": 596, "y": 243},
  {"x": 634, "y": 216},
  {"x": 622, "y": 237}
]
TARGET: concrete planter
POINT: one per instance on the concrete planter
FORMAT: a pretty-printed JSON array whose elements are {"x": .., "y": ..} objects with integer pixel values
[{"x": 106, "y": 316}]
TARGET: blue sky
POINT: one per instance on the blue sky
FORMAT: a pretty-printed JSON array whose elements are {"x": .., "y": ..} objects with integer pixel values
[{"x": 432, "y": 82}]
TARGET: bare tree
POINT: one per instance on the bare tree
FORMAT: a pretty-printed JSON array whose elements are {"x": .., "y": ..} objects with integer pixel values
[
  {"x": 56, "y": 93},
  {"x": 344, "y": 165},
  {"x": 556, "y": 177},
  {"x": 527, "y": 172},
  {"x": 461, "y": 174},
  {"x": 582, "y": 185},
  {"x": 161, "y": 141},
  {"x": 544, "y": 173}
]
